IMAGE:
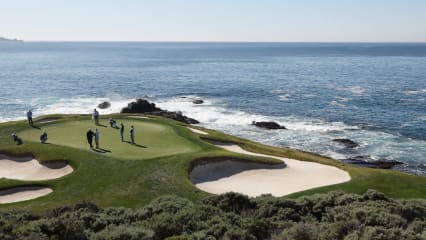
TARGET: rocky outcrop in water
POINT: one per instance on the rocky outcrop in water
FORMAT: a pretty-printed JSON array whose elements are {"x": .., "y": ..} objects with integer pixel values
[
  {"x": 268, "y": 125},
  {"x": 143, "y": 106},
  {"x": 178, "y": 116},
  {"x": 347, "y": 142},
  {"x": 140, "y": 106},
  {"x": 104, "y": 105},
  {"x": 198, "y": 101},
  {"x": 366, "y": 161}
]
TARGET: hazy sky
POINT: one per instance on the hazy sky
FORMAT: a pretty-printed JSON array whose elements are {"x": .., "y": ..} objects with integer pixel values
[{"x": 215, "y": 20}]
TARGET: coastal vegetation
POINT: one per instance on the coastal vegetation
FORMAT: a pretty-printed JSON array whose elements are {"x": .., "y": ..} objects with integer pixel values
[{"x": 335, "y": 215}]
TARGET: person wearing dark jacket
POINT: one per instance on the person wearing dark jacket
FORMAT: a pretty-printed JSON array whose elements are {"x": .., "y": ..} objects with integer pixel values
[
  {"x": 30, "y": 117},
  {"x": 132, "y": 134},
  {"x": 122, "y": 131},
  {"x": 16, "y": 139},
  {"x": 89, "y": 136},
  {"x": 43, "y": 137}
]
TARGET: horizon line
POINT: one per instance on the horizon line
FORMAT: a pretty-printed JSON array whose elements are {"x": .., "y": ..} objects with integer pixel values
[{"x": 195, "y": 41}]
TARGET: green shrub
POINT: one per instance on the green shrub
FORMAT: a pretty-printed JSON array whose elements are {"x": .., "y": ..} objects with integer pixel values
[
  {"x": 334, "y": 215},
  {"x": 113, "y": 232}
]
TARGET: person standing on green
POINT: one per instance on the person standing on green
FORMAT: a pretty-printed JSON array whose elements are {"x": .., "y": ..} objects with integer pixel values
[
  {"x": 89, "y": 136},
  {"x": 30, "y": 117},
  {"x": 97, "y": 138},
  {"x": 132, "y": 134},
  {"x": 122, "y": 131},
  {"x": 95, "y": 116}
]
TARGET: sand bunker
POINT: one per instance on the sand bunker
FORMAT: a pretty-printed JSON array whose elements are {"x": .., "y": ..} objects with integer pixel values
[
  {"x": 295, "y": 177},
  {"x": 19, "y": 194},
  {"x": 198, "y": 131},
  {"x": 226, "y": 168},
  {"x": 27, "y": 168}
]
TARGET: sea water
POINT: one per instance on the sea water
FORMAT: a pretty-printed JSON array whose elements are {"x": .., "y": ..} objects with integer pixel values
[{"x": 371, "y": 93}]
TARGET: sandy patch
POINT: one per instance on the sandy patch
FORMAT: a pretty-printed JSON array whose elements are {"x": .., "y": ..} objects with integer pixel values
[
  {"x": 198, "y": 131},
  {"x": 217, "y": 170},
  {"x": 27, "y": 168},
  {"x": 19, "y": 194},
  {"x": 295, "y": 177}
]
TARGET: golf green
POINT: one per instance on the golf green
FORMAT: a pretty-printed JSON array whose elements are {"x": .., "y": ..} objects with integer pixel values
[{"x": 152, "y": 139}]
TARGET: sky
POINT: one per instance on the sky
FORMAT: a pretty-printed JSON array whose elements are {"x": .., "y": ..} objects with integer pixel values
[{"x": 215, "y": 20}]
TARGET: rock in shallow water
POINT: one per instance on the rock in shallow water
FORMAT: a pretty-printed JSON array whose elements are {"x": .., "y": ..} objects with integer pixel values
[
  {"x": 104, "y": 105},
  {"x": 347, "y": 142},
  {"x": 366, "y": 161},
  {"x": 198, "y": 101},
  {"x": 268, "y": 125}
]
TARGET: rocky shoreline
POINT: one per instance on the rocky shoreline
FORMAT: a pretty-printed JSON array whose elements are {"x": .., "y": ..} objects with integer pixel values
[{"x": 143, "y": 106}]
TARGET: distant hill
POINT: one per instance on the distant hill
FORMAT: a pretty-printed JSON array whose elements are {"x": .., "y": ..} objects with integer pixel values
[{"x": 2, "y": 39}]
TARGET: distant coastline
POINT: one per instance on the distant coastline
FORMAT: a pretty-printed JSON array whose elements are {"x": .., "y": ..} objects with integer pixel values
[{"x": 3, "y": 39}]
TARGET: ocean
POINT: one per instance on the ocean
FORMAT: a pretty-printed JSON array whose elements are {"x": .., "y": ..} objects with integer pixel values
[{"x": 371, "y": 93}]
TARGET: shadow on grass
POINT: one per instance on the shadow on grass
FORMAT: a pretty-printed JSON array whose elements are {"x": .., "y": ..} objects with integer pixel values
[
  {"x": 135, "y": 144},
  {"x": 101, "y": 150}
]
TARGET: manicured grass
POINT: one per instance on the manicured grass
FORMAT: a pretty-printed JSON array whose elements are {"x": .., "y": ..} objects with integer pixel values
[
  {"x": 152, "y": 139},
  {"x": 128, "y": 176},
  {"x": 132, "y": 176}
]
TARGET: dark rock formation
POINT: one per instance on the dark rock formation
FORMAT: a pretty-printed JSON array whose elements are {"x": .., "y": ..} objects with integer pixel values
[
  {"x": 178, "y": 116},
  {"x": 366, "y": 161},
  {"x": 140, "y": 106},
  {"x": 198, "y": 101},
  {"x": 104, "y": 105},
  {"x": 268, "y": 125},
  {"x": 347, "y": 142},
  {"x": 143, "y": 106}
]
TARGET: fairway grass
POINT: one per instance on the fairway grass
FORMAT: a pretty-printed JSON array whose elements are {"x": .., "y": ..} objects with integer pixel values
[{"x": 131, "y": 176}]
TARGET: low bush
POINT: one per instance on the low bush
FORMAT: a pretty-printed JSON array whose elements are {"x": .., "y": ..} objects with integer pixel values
[{"x": 335, "y": 215}]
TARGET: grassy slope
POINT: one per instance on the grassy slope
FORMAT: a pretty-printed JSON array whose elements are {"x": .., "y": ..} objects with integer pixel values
[
  {"x": 112, "y": 180},
  {"x": 109, "y": 179}
]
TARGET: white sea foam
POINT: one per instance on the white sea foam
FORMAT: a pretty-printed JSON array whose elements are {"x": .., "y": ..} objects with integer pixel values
[
  {"x": 309, "y": 95},
  {"x": 82, "y": 105},
  {"x": 336, "y": 103},
  {"x": 342, "y": 99},
  {"x": 415, "y": 92},
  {"x": 278, "y": 91},
  {"x": 303, "y": 133},
  {"x": 355, "y": 90},
  {"x": 75, "y": 105},
  {"x": 285, "y": 97}
]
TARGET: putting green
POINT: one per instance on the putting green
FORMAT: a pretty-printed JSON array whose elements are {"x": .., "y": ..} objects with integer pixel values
[{"x": 152, "y": 139}]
